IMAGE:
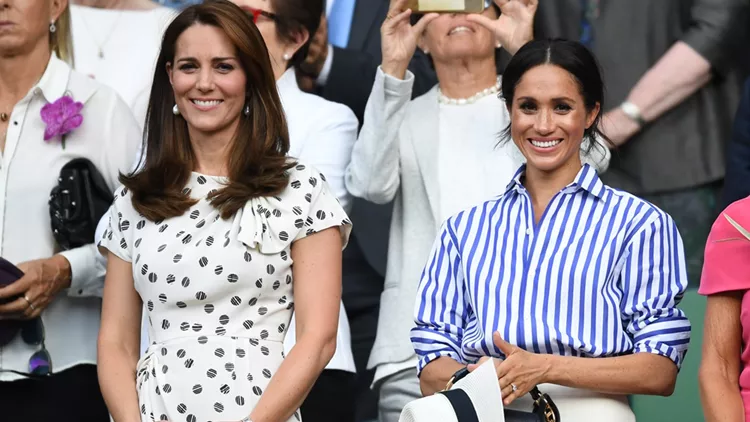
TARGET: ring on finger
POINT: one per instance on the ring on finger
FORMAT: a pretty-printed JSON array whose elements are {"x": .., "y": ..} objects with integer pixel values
[
  {"x": 513, "y": 387},
  {"x": 28, "y": 301}
]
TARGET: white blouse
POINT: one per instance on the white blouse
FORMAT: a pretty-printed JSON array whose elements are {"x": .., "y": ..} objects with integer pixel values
[
  {"x": 470, "y": 150},
  {"x": 129, "y": 43},
  {"x": 30, "y": 167}
]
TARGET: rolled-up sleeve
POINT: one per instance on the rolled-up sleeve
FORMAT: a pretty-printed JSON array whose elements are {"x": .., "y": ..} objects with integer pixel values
[
  {"x": 440, "y": 311},
  {"x": 717, "y": 30},
  {"x": 654, "y": 279}
]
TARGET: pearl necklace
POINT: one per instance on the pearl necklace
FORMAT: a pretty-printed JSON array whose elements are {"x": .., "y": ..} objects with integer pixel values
[{"x": 442, "y": 99}]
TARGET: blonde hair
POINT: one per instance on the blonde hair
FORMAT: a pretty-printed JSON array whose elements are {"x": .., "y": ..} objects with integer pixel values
[{"x": 61, "y": 41}]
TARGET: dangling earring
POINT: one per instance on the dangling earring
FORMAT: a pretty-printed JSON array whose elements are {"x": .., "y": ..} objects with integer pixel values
[
  {"x": 175, "y": 110},
  {"x": 247, "y": 110},
  {"x": 52, "y": 27}
]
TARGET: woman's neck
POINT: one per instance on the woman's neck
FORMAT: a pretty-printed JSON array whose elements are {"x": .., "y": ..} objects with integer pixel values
[
  {"x": 464, "y": 78},
  {"x": 19, "y": 73},
  {"x": 544, "y": 185},
  {"x": 211, "y": 152}
]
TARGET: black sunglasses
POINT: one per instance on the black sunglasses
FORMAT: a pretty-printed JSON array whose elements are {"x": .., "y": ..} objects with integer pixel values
[{"x": 40, "y": 363}]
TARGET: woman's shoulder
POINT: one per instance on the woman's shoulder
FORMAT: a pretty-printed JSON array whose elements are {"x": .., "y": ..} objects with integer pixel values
[
  {"x": 303, "y": 178},
  {"x": 305, "y": 206},
  {"x": 740, "y": 211},
  {"x": 726, "y": 265},
  {"x": 95, "y": 96},
  {"x": 633, "y": 207},
  {"x": 322, "y": 109},
  {"x": 122, "y": 203}
]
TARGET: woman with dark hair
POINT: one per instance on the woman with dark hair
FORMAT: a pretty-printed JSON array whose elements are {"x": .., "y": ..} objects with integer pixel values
[
  {"x": 321, "y": 133},
  {"x": 205, "y": 235},
  {"x": 565, "y": 282},
  {"x": 434, "y": 155}
]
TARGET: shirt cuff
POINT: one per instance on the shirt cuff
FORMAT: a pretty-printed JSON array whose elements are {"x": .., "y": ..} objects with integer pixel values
[
  {"x": 662, "y": 349},
  {"x": 395, "y": 86},
  {"x": 87, "y": 273},
  {"x": 323, "y": 77}
]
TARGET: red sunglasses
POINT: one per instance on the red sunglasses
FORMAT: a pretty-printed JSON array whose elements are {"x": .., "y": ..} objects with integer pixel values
[{"x": 257, "y": 13}]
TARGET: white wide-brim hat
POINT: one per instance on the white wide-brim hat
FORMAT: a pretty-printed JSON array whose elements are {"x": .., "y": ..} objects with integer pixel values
[{"x": 475, "y": 397}]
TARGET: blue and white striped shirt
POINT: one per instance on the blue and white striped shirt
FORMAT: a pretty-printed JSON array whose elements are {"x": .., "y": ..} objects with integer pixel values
[{"x": 599, "y": 275}]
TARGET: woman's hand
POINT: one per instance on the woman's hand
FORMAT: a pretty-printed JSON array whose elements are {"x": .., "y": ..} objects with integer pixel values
[
  {"x": 42, "y": 281},
  {"x": 399, "y": 38},
  {"x": 515, "y": 26},
  {"x": 520, "y": 368}
]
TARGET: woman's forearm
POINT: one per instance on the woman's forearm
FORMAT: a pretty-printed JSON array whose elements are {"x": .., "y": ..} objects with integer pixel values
[
  {"x": 294, "y": 379},
  {"x": 676, "y": 76},
  {"x": 639, "y": 373},
  {"x": 117, "y": 373},
  {"x": 437, "y": 373},
  {"x": 720, "y": 398}
]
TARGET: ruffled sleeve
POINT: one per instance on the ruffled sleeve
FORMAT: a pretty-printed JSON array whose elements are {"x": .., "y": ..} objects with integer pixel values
[
  {"x": 306, "y": 206},
  {"x": 118, "y": 235},
  {"x": 727, "y": 257}
]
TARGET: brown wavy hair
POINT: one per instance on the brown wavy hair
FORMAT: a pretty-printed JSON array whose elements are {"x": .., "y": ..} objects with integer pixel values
[{"x": 258, "y": 165}]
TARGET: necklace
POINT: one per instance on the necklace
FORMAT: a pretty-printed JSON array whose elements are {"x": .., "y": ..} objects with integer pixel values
[
  {"x": 100, "y": 46},
  {"x": 442, "y": 99}
]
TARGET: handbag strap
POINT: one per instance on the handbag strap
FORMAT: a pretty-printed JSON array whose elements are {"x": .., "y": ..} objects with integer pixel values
[{"x": 462, "y": 405}]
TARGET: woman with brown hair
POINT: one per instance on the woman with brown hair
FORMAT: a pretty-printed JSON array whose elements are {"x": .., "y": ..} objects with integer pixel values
[
  {"x": 205, "y": 236},
  {"x": 322, "y": 134}
]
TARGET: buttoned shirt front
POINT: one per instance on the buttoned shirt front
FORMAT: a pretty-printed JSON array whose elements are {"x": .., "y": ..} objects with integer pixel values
[{"x": 29, "y": 170}]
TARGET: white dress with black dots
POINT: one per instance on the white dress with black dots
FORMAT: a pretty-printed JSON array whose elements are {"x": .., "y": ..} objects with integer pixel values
[{"x": 218, "y": 294}]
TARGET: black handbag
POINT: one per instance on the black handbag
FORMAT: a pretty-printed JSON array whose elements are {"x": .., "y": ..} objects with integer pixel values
[
  {"x": 77, "y": 203},
  {"x": 544, "y": 409}
]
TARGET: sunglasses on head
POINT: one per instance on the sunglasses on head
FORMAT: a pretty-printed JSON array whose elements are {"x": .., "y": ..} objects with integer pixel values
[
  {"x": 257, "y": 13},
  {"x": 40, "y": 363}
]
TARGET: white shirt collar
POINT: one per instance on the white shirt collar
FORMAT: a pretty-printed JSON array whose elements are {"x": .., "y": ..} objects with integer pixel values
[
  {"x": 54, "y": 81},
  {"x": 287, "y": 84}
]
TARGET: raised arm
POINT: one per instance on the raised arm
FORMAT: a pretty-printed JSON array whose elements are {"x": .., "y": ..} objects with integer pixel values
[{"x": 374, "y": 172}]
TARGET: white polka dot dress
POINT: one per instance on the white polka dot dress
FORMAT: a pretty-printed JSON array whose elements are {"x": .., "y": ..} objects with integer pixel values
[{"x": 218, "y": 294}]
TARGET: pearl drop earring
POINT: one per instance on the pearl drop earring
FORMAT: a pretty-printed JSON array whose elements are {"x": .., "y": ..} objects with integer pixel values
[
  {"x": 52, "y": 27},
  {"x": 175, "y": 110},
  {"x": 287, "y": 57},
  {"x": 247, "y": 110}
]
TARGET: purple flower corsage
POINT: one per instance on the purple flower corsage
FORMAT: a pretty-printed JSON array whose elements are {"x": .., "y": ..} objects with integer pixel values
[{"x": 61, "y": 117}]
